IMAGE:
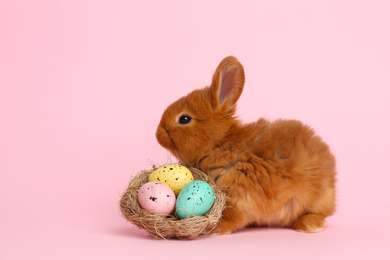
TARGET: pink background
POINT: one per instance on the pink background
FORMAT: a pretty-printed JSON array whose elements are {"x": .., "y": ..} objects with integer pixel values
[{"x": 83, "y": 85}]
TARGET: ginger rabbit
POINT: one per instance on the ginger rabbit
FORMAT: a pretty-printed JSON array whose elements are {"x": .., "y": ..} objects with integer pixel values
[{"x": 274, "y": 173}]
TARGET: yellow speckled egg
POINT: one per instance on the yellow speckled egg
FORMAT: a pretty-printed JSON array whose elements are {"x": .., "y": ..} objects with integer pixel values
[{"x": 174, "y": 176}]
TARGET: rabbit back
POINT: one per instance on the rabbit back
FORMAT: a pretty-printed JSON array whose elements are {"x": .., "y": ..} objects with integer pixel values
[{"x": 274, "y": 172}]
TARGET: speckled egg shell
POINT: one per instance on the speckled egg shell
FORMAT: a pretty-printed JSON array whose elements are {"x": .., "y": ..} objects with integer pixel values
[
  {"x": 174, "y": 176},
  {"x": 195, "y": 199},
  {"x": 156, "y": 198}
]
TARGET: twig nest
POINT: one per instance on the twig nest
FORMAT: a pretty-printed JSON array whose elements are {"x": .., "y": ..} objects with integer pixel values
[{"x": 171, "y": 226}]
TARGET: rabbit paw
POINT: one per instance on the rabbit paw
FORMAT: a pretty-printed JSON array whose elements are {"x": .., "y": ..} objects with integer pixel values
[
  {"x": 227, "y": 225},
  {"x": 218, "y": 231},
  {"x": 310, "y": 223}
]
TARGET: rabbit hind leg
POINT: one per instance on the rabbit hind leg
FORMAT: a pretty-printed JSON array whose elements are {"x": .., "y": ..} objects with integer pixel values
[{"x": 313, "y": 220}]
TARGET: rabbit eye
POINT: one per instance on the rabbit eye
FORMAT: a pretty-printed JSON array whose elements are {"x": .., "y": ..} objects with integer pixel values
[{"x": 184, "y": 120}]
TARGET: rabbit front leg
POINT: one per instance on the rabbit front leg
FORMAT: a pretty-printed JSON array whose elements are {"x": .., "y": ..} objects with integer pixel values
[{"x": 232, "y": 220}]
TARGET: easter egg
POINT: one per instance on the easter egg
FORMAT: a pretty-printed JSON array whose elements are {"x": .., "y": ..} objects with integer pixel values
[
  {"x": 195, "y": 199},
  {"x": 156, "y": 198},
  {"x": 174, "y": 176}
]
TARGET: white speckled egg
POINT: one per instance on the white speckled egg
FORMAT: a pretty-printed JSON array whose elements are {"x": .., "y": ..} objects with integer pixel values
[
  {"x": 174, "y": 176},
  {"x": 156, "y": 198},
  {"x": 195, "y": 199}
]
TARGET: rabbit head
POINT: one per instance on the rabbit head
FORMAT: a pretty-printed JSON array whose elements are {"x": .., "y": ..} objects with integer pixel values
[{"x": 194, "y": 124}]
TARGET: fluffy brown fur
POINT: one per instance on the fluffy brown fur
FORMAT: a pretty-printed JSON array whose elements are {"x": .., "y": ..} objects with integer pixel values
[{"x": 274, "y": 173}]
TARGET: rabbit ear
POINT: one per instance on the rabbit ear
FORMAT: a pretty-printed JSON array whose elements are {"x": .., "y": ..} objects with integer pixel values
[{"x": 228, "y": 82}]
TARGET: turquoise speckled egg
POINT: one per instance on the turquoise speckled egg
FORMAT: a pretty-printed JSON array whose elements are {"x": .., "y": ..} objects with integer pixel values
[{"x": 195, "y": 199}]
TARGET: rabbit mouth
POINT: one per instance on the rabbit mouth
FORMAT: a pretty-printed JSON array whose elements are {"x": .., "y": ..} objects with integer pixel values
[{"x": 164, "y": 138}]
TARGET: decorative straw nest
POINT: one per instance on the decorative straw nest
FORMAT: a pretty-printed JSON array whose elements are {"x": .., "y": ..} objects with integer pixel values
[{"x": 171, "y": 226}]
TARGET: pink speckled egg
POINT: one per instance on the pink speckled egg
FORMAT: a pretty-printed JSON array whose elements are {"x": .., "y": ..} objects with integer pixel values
[{"x": 156, "y": 198}]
